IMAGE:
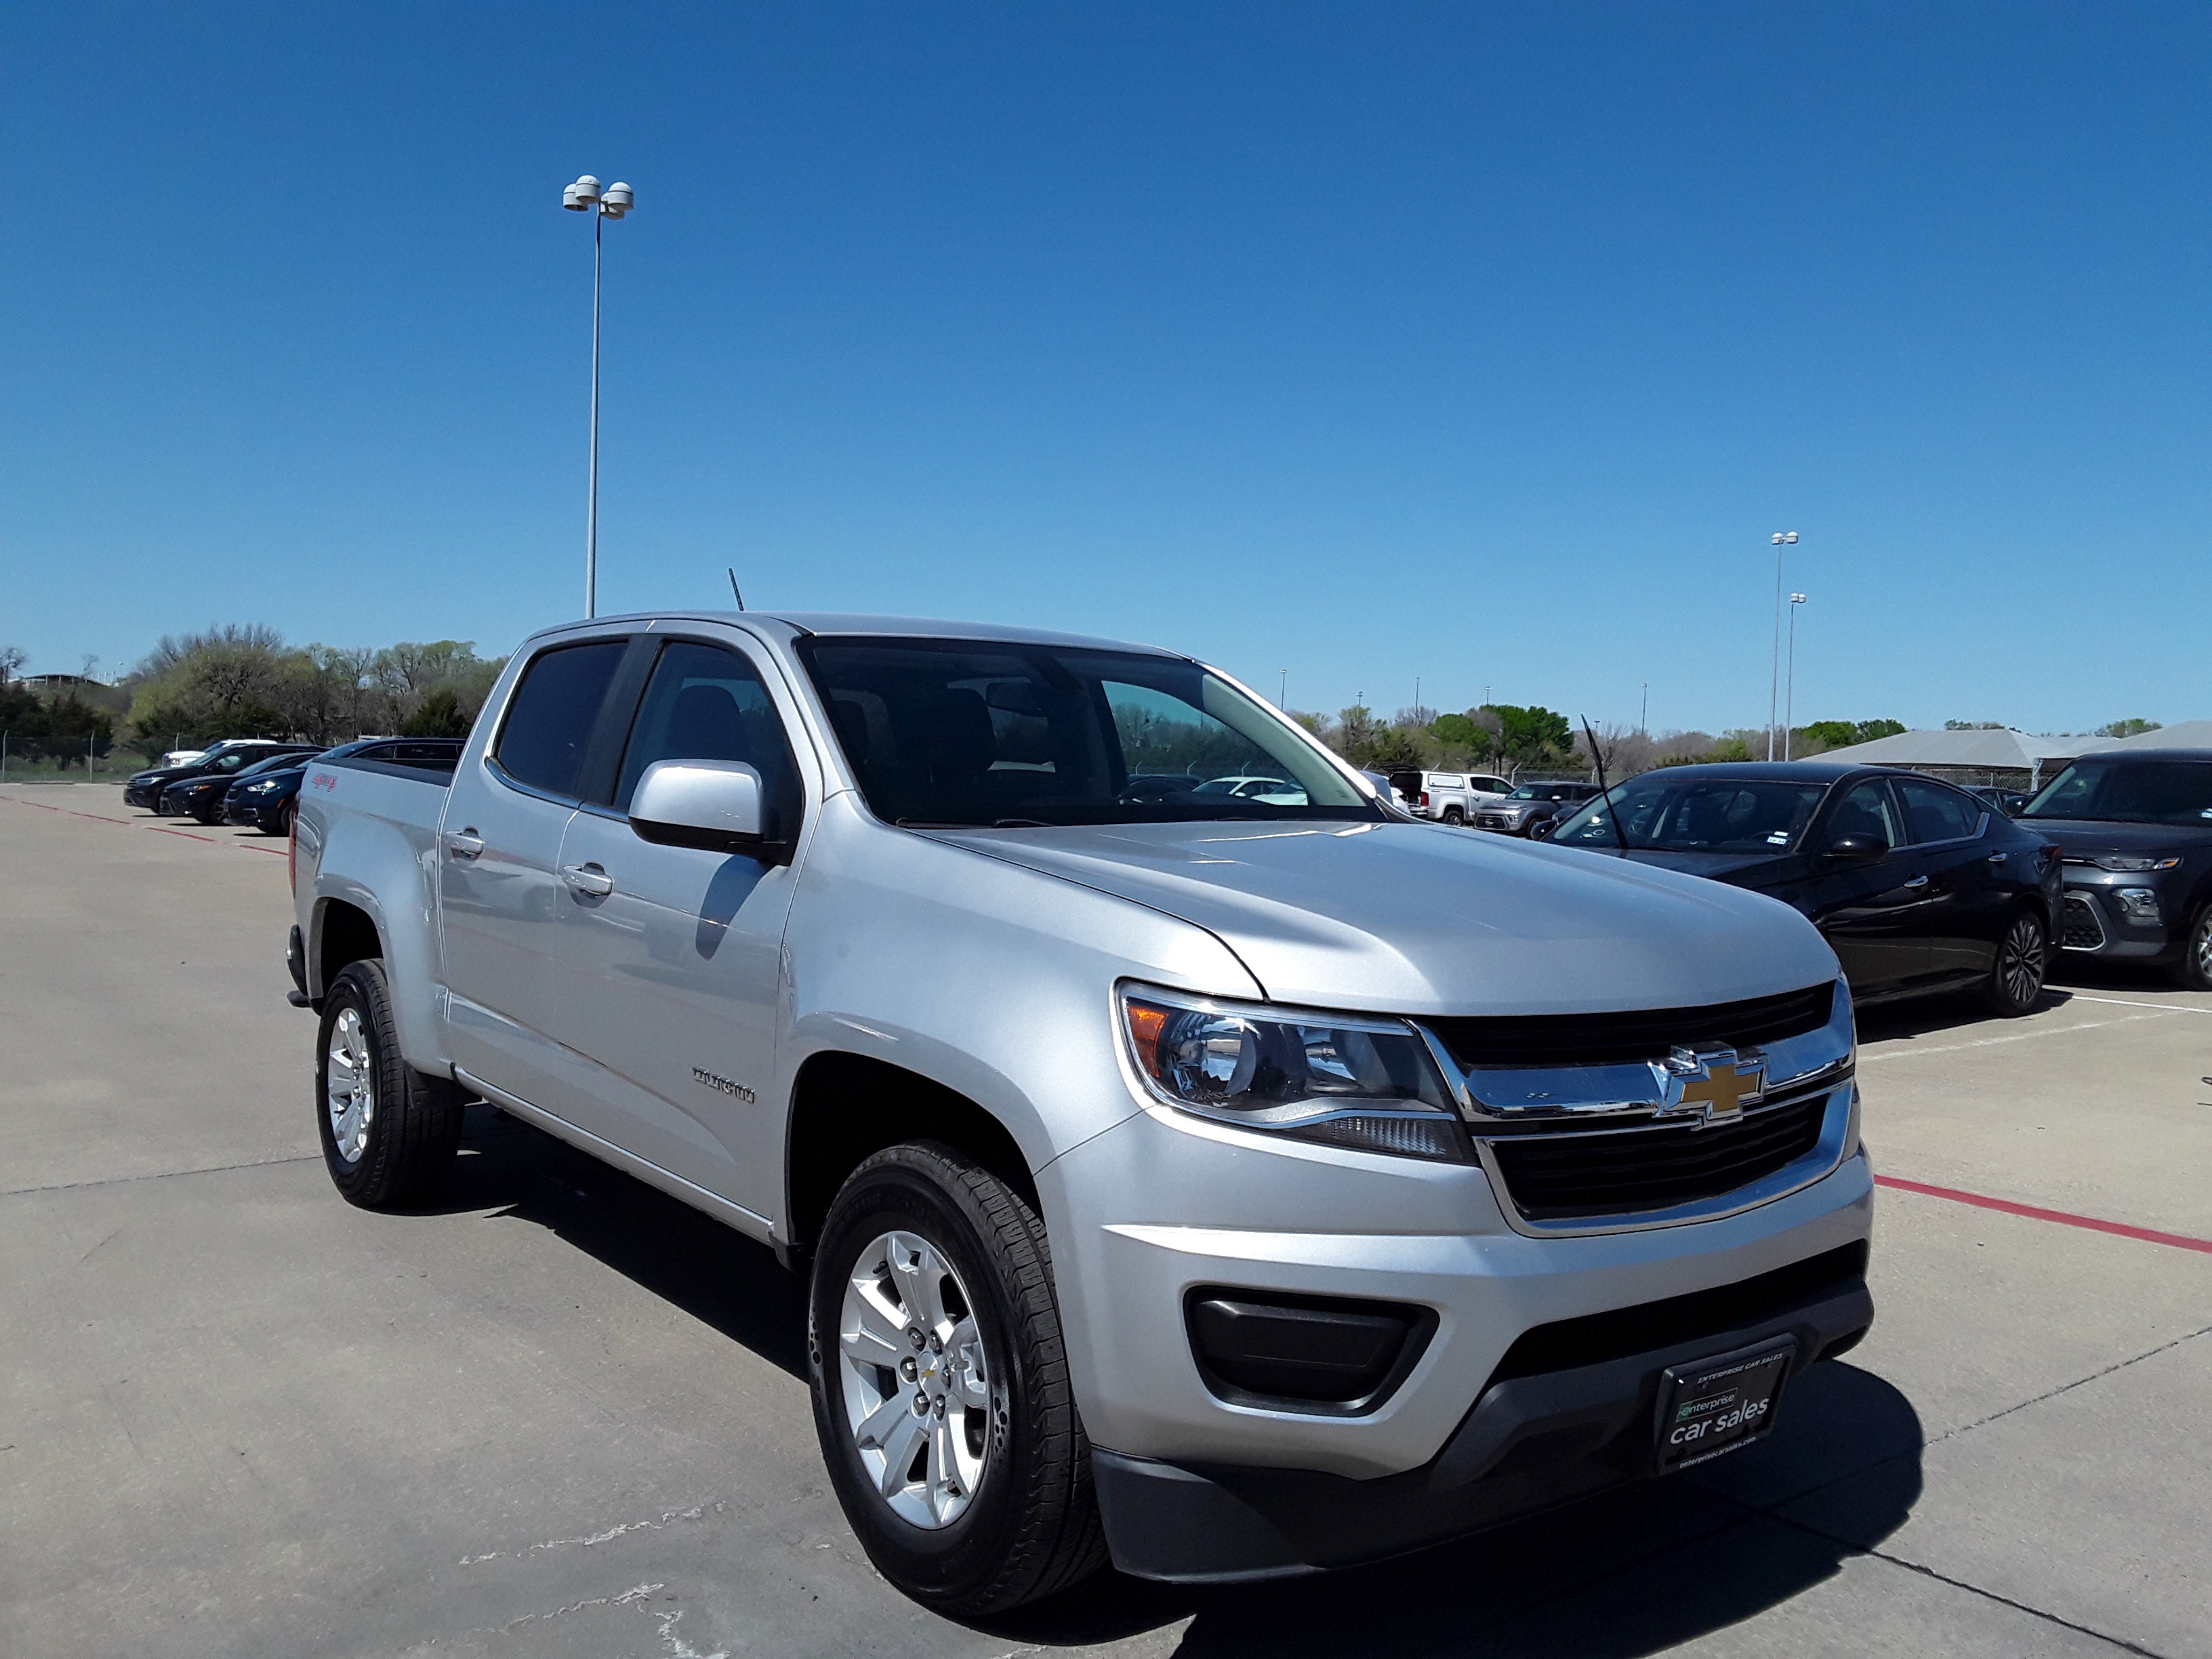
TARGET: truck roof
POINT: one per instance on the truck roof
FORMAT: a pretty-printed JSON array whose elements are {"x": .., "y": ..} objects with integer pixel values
[{"x": 859, "y": 625}]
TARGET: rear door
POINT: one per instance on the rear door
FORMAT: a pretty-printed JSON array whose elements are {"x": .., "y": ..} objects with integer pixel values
[
  {"x": 1871, "y": 914},
  {"x": 669, "y": 960},
  {"x": 500, "y": 895},
  {"x": 1969, "y": 900}
]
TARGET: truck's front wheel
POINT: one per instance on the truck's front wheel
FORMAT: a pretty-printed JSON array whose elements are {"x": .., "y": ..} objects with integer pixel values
[
  {"x": 941, "y": 1385},
  {"x": 389, "y": 1132}
]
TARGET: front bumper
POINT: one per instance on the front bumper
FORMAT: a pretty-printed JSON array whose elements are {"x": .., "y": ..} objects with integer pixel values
[
  {"x": 1529, "y": 1442},
  {"x": 2094, "y": 920}
]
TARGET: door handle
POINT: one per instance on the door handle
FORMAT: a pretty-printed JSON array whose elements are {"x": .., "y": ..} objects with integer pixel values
[
  {"x": 1999, "y": 857},
  {"x": 588, "y": 879},
  {"x": 1916, "y": 884},
  {"x": 464, "y": 843}
]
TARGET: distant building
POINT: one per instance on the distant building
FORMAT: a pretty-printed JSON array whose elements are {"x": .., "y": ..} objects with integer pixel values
[{"x": 56, "y": 682}]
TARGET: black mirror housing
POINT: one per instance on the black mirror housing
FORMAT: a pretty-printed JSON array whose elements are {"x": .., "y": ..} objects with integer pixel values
[{"x": 1858, "y": 849}]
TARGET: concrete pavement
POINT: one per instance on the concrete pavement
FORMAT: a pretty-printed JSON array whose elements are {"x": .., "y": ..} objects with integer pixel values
[{"x": 563, "y": 1415}]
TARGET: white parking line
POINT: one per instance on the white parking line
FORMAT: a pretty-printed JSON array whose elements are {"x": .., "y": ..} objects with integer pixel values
[
  {"x": 2162, "y": 1007},
  {"x": 2016, "y": 1037}
]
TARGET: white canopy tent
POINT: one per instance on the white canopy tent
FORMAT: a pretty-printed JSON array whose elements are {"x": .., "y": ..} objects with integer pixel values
[
  {"x": 2001, "y": 748},
  {"x": 2184, "y": 734}
]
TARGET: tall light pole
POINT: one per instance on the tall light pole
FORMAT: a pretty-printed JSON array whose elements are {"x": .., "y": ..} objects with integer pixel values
[
  {"x": 1643, "y": 720},
  {"x": 585, "y": 196},
  {"x": 1283, "y": 695},
  {"x": 1782, "y": 539},
  {"x": 1789, "y": 691}
]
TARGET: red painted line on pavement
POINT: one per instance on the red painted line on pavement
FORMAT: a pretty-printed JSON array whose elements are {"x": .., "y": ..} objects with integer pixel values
[
  {"x": 186, "y": 834},
  {"x": 2005, "y": 1205}
]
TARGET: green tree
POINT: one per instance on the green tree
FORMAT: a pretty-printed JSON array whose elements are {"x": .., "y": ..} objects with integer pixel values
[
  {"x": 1393, "y": 749},
  {"x": 2127, "y": 728},
  {"x": 1457, "y": 731},
  {"x": 438, "y": 716},
  {"x": 1532, "y": 733}
]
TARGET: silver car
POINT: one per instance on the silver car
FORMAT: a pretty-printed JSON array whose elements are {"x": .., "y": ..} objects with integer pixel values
[{"x": 1227, "y": 1184}]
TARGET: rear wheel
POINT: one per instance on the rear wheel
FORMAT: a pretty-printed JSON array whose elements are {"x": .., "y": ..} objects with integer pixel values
[
  {"x": 1453, "y": 815},
  {"x": 2194, "y": 971},
  {"x": 389, "y": 1132},
  {"x": 2015, "y": 983},
  {"x": 941, "y": 1385}
]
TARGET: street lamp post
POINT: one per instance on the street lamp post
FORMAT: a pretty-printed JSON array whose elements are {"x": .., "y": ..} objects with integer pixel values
[
  {"x": 1782, "y": 539},
  {"x": 1789, "y": 683},
  {"x": 585, "y": 196}
]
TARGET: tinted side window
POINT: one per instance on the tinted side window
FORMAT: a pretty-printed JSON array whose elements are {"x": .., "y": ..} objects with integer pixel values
[
  {"x": 1934, "y": 812},
  {"x": 1867, "y": 811},
  {"x": 549, "y": 721},
  {"x": 704, "y": 702}
]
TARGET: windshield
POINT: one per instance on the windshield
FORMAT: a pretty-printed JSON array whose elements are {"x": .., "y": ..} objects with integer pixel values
[
  {"x": 2128, "y": 792},
  {"x": 972, "y": 732},
  {"x": 1668, "y": 812}
]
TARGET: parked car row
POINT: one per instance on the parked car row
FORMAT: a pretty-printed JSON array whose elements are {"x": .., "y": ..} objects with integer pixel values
[
  {"x": 1920, "y": 886},
  {"x": 255, "y": 782}
]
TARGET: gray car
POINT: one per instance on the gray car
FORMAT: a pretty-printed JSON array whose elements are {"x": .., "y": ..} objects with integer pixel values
[
  {"x": 1226, "y": 1185},
  {"x": 1532, "y": 808}
]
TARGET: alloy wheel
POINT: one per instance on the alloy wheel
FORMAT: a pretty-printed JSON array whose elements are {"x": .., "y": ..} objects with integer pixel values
[
  {"x": 349, "y": 1085},
  {"x": 918, "y": 1391},
  {"x": 2020, "y": 967}
]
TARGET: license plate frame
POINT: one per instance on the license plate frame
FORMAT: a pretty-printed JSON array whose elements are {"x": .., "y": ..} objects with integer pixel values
[{"x": 1719, "y": 1403}]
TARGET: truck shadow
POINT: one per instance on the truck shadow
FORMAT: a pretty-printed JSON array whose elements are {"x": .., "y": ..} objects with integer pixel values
[{"x": 1628, "y": 1572}]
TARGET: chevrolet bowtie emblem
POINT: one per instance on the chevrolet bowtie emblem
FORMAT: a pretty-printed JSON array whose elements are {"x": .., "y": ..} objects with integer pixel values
[{"x": 1713, "y": 1085}]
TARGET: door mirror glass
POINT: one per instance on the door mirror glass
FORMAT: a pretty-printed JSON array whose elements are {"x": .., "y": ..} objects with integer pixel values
[
  {"x": 715, "y": 806},
  {"x": 1859, "y": 848}
]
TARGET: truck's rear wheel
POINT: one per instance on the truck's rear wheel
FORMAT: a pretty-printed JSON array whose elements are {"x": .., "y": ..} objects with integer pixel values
[
  {"x": 389, "y": 1132},
  {"x": 941, "y": 1385},
  {"x": 1453, "y": 815}
]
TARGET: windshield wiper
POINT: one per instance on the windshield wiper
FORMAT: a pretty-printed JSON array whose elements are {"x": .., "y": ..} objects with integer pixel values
[{"x": 1605, "y": 790}]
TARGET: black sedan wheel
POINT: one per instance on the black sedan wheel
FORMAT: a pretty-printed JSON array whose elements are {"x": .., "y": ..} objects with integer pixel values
[
  {"x": 2194, "y": 971},
  {"x": 2016, "y": 978}
]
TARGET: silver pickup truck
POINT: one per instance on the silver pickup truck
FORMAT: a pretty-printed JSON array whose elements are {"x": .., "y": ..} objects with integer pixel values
[{"x": 1231, "y": 1186}]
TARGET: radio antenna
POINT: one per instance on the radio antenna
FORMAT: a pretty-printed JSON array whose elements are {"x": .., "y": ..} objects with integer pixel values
[
  {"x": 733, "y": 586},
  {"x": 1605, "y": 789}
]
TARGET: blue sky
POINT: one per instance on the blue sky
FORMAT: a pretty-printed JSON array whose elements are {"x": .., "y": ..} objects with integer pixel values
[{"x": 1483, "y": 344}]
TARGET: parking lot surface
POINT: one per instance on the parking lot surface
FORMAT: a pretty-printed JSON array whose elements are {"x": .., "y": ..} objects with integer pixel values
[{"x": 564, "y": 1415}]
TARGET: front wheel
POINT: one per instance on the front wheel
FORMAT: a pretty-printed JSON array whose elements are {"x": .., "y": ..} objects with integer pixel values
[
  {"x": 2194, "y": 971},
  {"x": 2015, "y": 983},
  {"x": 389, "y": 1131},
  {"x": 1453, "y": 815},
  {"x": 941, "y": 1385}
]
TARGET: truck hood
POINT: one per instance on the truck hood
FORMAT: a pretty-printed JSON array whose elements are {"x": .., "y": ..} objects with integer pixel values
[
  {"x": 1420, "y": 918},
  {"x": 2087, "y": 838}
]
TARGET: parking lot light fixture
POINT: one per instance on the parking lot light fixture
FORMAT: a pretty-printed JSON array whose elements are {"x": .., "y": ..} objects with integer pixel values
[
  {"x": 611, "y": 202},
  {"x": 1783, "y": 538}
]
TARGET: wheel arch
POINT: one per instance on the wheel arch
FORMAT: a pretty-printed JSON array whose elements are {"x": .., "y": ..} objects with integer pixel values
[{"x": 845, "y": 1107}]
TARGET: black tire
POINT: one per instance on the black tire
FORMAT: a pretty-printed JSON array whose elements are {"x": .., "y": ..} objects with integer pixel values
[
  {"x": 283, "y": 826},
  {"x": 1030, "y": 1527},
  {"x": 2015, "y": 982},
  {"x": 1453, "y": 815},
  {"x": 402, "y": 1149},
  {"x": 2194, "y": 971}
]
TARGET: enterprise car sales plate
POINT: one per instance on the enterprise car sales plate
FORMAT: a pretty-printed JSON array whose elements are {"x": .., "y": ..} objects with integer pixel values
[{"x": 1719, "y": 1404}]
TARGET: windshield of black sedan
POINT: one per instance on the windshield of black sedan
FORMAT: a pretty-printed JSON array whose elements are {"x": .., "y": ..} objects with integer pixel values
[
  {"x": 975, "y": 733},
  {"x": 2128, "y": 792},
  {"x": 1677, "y": 813}
]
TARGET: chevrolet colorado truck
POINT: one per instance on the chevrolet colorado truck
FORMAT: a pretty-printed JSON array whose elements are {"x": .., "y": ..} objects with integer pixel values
[{"x": 1230, "y": 1187}]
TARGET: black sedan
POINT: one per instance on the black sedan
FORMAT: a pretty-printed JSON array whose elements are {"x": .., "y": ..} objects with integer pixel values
[
  {"x": 228, "y": 758},
  {"x": 203, "y": 797},
  {"x": 1919, "y": 886},
  {"x": 268, "y": 801},
  {"x": 2136, "y": 832}
]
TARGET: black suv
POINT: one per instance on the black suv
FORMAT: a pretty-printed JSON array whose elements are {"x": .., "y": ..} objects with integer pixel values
[
  {"x": 230, "y": 756},
  {"x": 2136, "y": 832}
]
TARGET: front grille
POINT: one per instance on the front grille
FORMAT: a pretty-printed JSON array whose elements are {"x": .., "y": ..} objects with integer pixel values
[
  {"x": 1492, "y": 821},
  {"x": 1625, "y": 1172},
  {"x": 1543, "y": 1040},
  {"x": 2085, "y": 929}
]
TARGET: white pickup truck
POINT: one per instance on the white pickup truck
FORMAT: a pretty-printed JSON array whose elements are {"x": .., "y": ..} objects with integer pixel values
[{"x": 1233, "y": 1185}]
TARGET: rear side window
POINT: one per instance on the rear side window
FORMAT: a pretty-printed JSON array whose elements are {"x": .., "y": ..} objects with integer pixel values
[
  {"x": 551, "y": 719},
  {"x": 705, "y": 702},
  {"x": 1867, "y": 811},
  {"x": 1934, "y": 812}
]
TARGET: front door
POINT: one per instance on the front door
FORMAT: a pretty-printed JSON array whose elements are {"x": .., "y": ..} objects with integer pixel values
[
  {"x": 499, "y": 896},
  {"x": 1872, "y": 913},
  {"x": 671, "y": 957}
]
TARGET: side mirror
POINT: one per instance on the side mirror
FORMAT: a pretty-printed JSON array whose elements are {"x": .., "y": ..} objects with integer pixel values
[
  {"x": 1858, "y": 849},
  {"x": 1543, "y": 831},
  {"x": 714, "y": 805}
]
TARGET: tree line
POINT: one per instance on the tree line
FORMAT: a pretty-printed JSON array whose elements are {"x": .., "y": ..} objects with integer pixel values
[{"x": 242, "y": 680}]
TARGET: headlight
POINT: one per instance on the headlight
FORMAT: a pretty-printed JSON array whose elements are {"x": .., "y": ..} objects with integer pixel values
[
  {"x": 1349, "y": 1080},
  {"x": 2123, "y": 865},
  {"x": 259, "y": 788}
]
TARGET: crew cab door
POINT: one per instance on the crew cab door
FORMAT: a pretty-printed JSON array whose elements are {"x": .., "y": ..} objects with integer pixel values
[
  {"x": 669, "y": 958},
  {"x": 500, "y": 895},
  {"x": 1872, "y": 915}
]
